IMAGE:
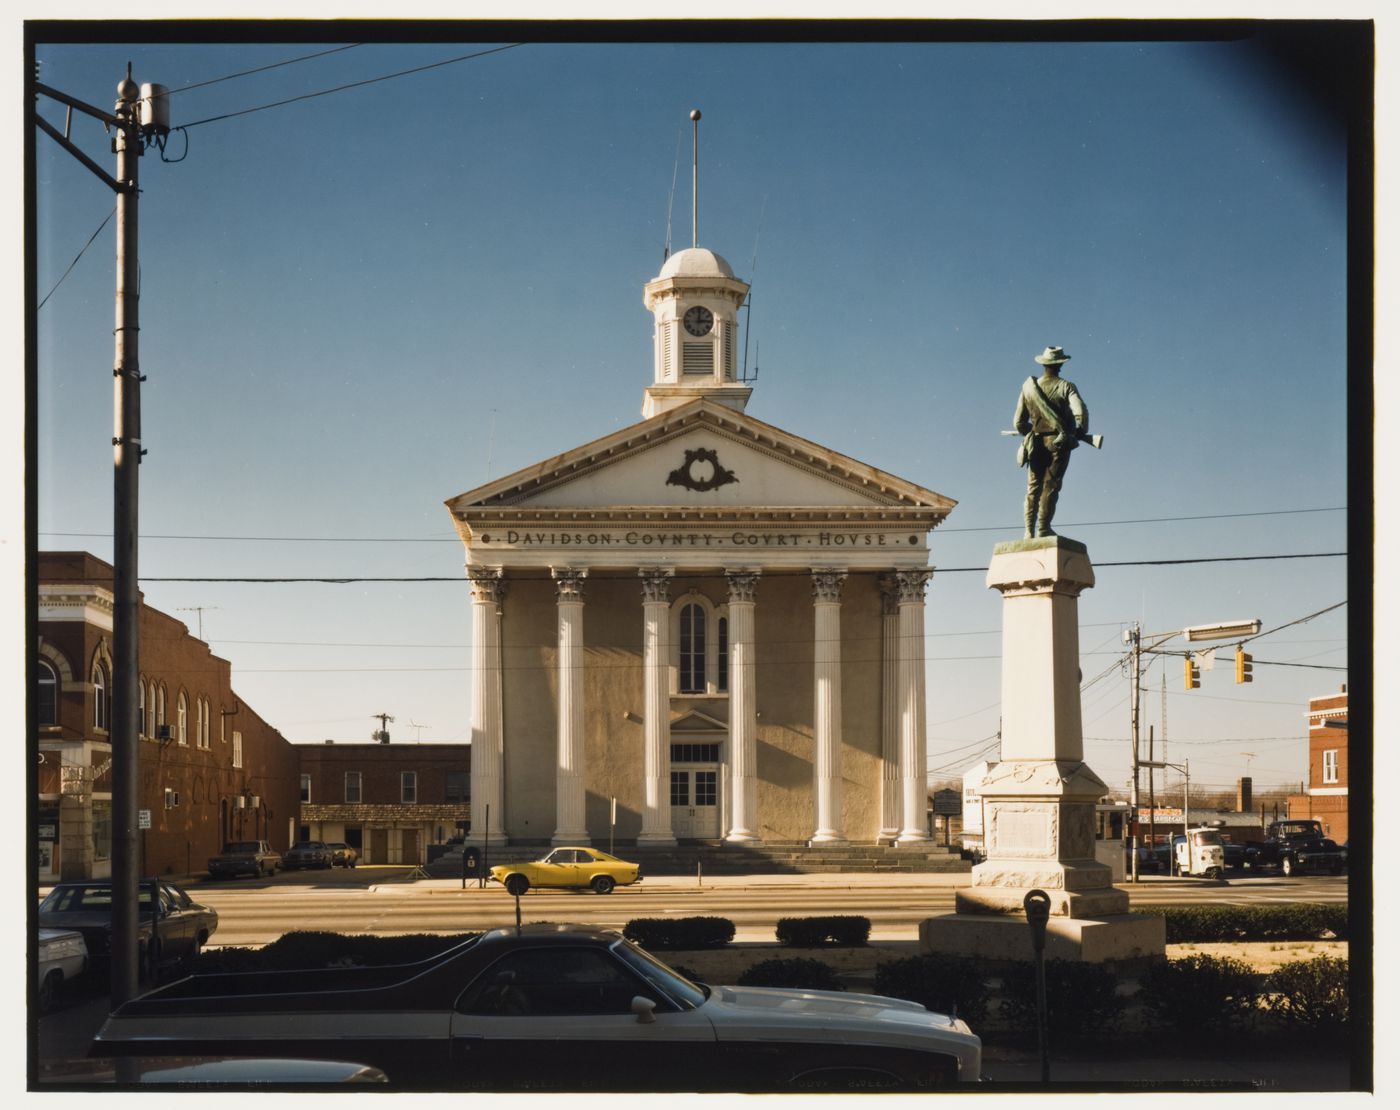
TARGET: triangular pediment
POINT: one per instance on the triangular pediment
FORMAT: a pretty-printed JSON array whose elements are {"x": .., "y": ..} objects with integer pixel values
[
  {"x": 695, "y": 723},
  {"x": 706, "y": 457}
]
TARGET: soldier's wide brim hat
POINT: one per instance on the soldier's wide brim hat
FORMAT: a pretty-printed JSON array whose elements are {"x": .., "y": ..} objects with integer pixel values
[{"x": 1052, "y": 356}]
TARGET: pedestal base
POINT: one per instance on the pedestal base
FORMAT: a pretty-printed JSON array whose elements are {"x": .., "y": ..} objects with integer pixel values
[
  {"x": 992, "y": 901},
  {"x": 1099, "y": 940}
]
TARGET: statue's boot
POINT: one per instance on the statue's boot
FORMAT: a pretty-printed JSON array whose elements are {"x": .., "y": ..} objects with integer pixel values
[
  {"x": 1047, "y": 514},
  {"x": 1030, "y": 519}
]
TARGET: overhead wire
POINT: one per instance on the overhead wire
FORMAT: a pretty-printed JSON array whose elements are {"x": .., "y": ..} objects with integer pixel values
[{"x": 91, "y": 239}]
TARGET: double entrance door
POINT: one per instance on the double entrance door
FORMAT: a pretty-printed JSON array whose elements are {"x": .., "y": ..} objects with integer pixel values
[{"x": 695, "y": 802}]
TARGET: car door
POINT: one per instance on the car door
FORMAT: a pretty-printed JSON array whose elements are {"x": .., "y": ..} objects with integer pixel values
[
  {"x": 559, "y": 868},
  {"x": 174, "y": 924},
  {"x": 561, "y": 1018}
]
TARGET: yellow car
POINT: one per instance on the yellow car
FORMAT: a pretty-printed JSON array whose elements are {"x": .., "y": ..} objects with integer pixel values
[{"x": 569, "y": 867}]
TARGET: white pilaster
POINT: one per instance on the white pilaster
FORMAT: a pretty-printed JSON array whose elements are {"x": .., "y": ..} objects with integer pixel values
[
  {"x": 890, "y": 801},
  {"x": 570, "y": 825},
  {"x": 488, "y": 736},
  {"x": 826, "y": 716},
  {"x": 743, "y": 709},
  {"x": 913, "y": 742},
  {"x": 656, "y": 657}
]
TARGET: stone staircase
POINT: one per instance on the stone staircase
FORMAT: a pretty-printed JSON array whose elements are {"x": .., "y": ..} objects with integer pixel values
[{"x": 715, "y": 857}]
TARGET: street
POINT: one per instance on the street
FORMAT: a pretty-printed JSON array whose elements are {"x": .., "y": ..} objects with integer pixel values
[{"x": 383, "y": 901}]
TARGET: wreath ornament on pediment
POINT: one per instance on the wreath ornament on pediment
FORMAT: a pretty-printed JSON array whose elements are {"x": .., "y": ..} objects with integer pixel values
[{"x": 684, "y": 475}]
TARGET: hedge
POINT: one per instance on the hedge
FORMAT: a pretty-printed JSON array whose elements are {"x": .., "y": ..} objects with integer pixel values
[
  {"x": 685, "y": 933},
  {"x": 955, "y": 985},
  {"x": 1291, "y": 921},
  {"x": 1079, "y": 998},
  {"x": 814, "y": 932},
  {"x": 1200, "y": 992},
  {"x": 1311, "y": 995},
  {"x": 797, "y": 973}
]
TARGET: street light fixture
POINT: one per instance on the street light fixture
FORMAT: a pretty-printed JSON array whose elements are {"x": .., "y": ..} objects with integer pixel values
[{"x": 1226, "y": 630}]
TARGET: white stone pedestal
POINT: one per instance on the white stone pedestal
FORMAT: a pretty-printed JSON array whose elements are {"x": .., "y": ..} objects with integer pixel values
[{"x": 1038, "y": 801}]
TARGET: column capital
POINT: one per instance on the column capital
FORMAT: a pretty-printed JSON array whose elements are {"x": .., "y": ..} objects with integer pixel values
[
  {"x": 911, "y": 584},
  {"x": 656, "y": 583},
  {"x": 826, "y": 584},
  {"x": 568, "y": 583},
  {"x": 742, "y": 585},
  {"x": 488, "y": 583},
  {"x": 888, "y": 584}
]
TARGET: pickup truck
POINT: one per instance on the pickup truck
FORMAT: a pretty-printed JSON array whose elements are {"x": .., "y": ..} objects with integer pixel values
[
  {"x": 245, "y": 857},
  {"x": 552, "y": 1007},
  {"x": 1295, "y": 847},
  {"x": 63, "y": 955}
]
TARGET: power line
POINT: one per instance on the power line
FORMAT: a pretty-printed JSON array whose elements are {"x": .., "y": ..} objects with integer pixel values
[
  {"x": 351, "y": 85},
  {"x": 263, "y": 69},
  {"x": 1171, "y": 519},
  {"x": 363, "y": 579},
  {"x": 457, "y": 540},
  {"x": 91, "y": 239}
]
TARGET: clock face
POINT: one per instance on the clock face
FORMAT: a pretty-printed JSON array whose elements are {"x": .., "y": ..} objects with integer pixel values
[{"x": 699, "y": 320}]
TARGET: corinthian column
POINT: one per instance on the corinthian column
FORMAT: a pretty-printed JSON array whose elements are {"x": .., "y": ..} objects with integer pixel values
[
  {"x": 656, "y": 662},
  {"x": 913, "y": 743},
  {"x": 826, "y": 714},
  {"x": 889, "y": 708},
  {"x": 743, "y": 708},
  {"x": 488, "y": 736},
  {"x": 570, "y": 826}
]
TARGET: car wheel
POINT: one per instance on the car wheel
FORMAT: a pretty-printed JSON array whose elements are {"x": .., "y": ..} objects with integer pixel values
[
  {"x": 48, "y": 990},
  {"x": 1287, "y": 866},
  {"x": 603, "y": 884},
  {"x": 516, "y": 885}
]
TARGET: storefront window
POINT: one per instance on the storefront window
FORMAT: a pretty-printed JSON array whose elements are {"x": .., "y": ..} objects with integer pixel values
[{"x": 101, "y": 830}]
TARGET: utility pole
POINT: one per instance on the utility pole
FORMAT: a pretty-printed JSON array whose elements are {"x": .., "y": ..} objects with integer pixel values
[
  {"x": 1134, "y": 637},
  {"x": 141, "y": 113}
]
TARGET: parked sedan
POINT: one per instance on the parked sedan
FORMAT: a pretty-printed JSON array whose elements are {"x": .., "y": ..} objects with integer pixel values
[
  {"x": 307, "y": 853},
  {"x": 569, "y": 867},
  {"x": 245, "y": 857},
  {"x": 171, "y": 926},
  {"x": 554, "y": 1007},
  {"x": 342, "y": 854}
]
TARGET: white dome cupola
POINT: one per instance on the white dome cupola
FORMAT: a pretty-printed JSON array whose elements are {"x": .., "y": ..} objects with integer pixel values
[{"x": 695, "y": 301}]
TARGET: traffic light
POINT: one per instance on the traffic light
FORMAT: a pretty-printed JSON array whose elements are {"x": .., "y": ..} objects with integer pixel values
[
  {"x": 1244, "y": 666},
  {"x": 1193, "y": 674}
]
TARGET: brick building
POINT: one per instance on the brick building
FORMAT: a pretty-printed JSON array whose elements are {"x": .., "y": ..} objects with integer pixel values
[
  {"x": 388, "y": 801},
  {"x": 1325, "y": 798},
  {"x": 211, "y": 768}
]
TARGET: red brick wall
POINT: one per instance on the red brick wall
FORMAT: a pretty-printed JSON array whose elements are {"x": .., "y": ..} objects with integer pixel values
[
  {"x": 180, "y": 839},
  {"x": 379, "y": 766}
]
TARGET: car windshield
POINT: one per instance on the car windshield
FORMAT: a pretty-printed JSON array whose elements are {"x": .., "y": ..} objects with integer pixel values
[
  {"x": 86, "y": 898},
  {"x": 307, "y": 845},
  {"x": 240, "y": 846},
  {"x": 671, "y": 983},
  {"x": 1206, "y": 839}
]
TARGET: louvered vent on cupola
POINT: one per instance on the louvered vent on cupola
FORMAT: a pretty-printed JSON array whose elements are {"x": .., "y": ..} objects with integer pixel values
[{"x": 697, "y": 358}]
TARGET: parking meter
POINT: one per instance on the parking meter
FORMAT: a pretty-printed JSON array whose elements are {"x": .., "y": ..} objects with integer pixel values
[{"x": 1037, "y": 907}]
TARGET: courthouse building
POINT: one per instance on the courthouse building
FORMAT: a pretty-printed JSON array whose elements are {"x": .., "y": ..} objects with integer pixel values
[{"x": 702, "y": 624}]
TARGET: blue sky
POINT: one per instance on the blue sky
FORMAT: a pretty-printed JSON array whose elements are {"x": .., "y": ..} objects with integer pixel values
[{"x": 359, "y": 305}]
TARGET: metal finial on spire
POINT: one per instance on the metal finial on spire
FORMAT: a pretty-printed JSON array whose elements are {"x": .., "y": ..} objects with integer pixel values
[{"x": 695, "y": 180}]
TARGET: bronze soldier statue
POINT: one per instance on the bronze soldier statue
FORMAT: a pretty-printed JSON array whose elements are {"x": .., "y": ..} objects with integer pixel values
[{"x": 1053, "y": 418}]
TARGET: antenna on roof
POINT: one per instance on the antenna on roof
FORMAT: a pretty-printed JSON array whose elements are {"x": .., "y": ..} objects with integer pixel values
[
  {"x": 748, "y": 301},
  {"x": 695, "y": 179},
  {"x": 671, "y": 203}
]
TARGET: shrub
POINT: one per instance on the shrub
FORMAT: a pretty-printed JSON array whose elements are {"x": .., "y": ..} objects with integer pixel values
[
  {"x": 1079, "y": 998},
  {"x": 796, "y": 973},
  {"x": 945, "y": 984},
  {"x": 308, "y": 949},
  {"x": 1311, "y": 994},
  {"x": 1292, "y": 921},
  {"x": 661, "y": 933},
  {"x": 1200, "y": 992},
  {"x": 813, "y": 932}
]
